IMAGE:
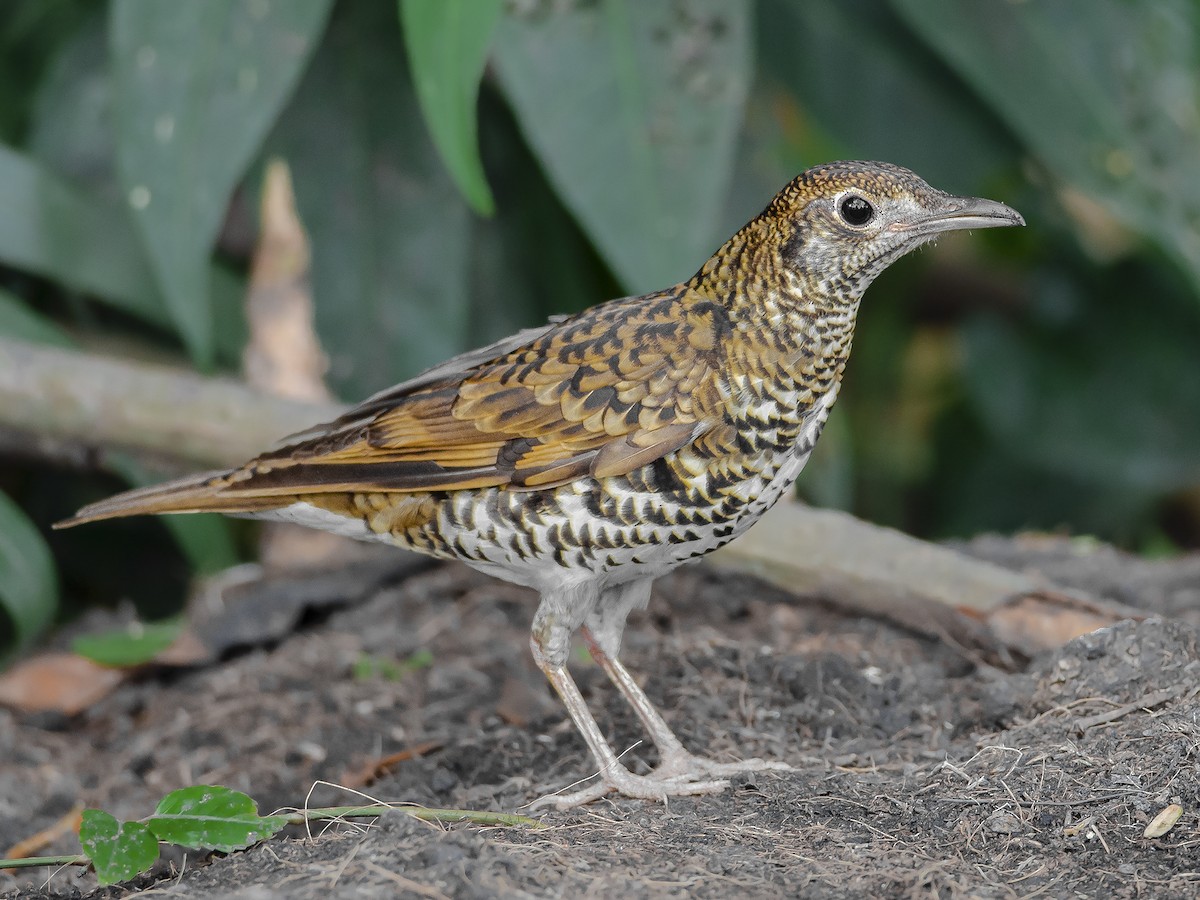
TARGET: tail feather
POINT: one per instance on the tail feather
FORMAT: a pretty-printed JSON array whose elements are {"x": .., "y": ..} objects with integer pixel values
[{"x": 191, "y": 494}]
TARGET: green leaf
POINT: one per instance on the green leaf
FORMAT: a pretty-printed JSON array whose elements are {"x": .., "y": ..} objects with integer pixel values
[
  {"x": 198, "y": 85},
  {"x": 661, "y": 87},
  {"x": 87, "y": 243},
  {"x": 30, "y": 33},
  {"x": 1109, "y": 102},
  {"x": 531, "y": 260},
  {"x": 19, "y": 321},
  {"x": 206, "y": 539},
  {"x": 118, "y": 850},
  {"x": 211, "y": 816},
  {"x": 390, "y": 233},
  {"x": 135, "y": 646},
  {"x": 72, "y": 135},
  {"x": 447, "y": 43},
  {"x": 28, "y": 584},
  {"x": 72, "y": 130},
  {"x": 902, "y": 92},
  {"x": 51, "y": 229}
]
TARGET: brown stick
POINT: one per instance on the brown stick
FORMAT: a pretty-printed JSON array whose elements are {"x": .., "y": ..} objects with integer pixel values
[
  {"x": 99, "y": 401},
  {"x": 879, "y": 572},
  {"x": 807, "y": 550}
]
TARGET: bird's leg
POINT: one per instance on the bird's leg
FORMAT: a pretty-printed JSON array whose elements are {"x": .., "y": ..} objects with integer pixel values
[
  {"x": 605, "y": 625},
  {"x": 550, "y": 642},
  {"x": 675, "y": 761}
]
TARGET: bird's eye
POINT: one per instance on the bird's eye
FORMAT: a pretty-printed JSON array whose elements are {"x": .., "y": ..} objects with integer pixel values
[{"x": 855, "y": 210}]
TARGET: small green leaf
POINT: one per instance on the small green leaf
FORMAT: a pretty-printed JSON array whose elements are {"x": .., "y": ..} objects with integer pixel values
[
  {"x": 447, "y": 42},
  {"x": 133, "y": 646},
  {"x": 198, "y": 85},
  {"x": 662, "y": 88},
  {"x": 210, "y": 816},
  {"x": 28, "y": 584},
  {"x": 19, "y": 321},
  {"x": 368, "y": 666},
  {"x": 119, "y": 850}
]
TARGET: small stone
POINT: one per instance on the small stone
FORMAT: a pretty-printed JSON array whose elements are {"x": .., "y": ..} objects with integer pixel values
[
  {"x": 1004, "y": 822},
  {"x": 443, "y": 780}
]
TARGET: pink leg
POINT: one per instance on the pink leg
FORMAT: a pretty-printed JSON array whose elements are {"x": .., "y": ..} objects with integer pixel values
[
  {"x": 676, "y": 763},
  {"x": 613, "y": 776}
]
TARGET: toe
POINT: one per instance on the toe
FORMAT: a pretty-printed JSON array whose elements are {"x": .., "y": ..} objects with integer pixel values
[{"x": 639, "y": 787}]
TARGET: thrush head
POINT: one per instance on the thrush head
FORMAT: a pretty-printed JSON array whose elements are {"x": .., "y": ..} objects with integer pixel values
[{"x": 839, "y": 225}]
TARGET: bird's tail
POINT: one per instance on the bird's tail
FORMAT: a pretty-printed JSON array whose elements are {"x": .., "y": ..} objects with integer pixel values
[{"x": 191, "y": 494}]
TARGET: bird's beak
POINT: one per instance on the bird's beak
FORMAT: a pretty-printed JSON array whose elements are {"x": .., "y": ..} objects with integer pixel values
[{"x": 959, "y": 213}]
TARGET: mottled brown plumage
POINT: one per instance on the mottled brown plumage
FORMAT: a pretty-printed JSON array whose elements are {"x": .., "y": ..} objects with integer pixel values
[{"x": 586, "y": 457}]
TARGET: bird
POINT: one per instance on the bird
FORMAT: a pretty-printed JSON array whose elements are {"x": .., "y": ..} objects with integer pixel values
[{"x": 586, "y": 457}]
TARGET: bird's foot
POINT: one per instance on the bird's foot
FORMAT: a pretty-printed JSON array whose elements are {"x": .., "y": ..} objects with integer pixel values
[
  {"x": 680, "y": 764},
  {"x": 620, "y": 780}
]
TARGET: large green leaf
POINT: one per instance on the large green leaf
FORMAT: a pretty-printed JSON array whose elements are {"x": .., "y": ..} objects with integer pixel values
[
  {"x": 71, "y": 132},
  {"x": 28, "y": 584},
  {"x": 72, "y": 135},
  {"x": 531, "y": 260},
  {"x": 856, "y": 70},
  {"x": 206, "y": 815},
  {"x": 633, "y": 109},
  {"x": 1107, "y": 96},
  {"x": 49, "y": 228},
  {"x": 88, "y": 244},
  {"x": 389, "y": 230},
  {"x": 197, "y": 88},
  {"x": 30, "y": 31},
  {"x": 447, "y": 43},
  {"x": 19, "y": 321}
]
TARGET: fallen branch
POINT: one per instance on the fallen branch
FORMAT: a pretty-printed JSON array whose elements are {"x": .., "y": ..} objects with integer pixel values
[
  {"x": 879, "y": 572},
  {"x": 98, "y": 401}
]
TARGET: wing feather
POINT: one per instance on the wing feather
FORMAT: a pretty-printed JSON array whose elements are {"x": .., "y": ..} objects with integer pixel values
[{"x": 601, "y": 393}]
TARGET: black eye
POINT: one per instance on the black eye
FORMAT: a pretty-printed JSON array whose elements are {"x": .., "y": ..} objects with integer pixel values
[{"x": 856, "y": 211}]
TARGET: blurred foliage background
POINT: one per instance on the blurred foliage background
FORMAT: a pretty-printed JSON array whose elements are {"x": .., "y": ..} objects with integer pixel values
[{"x": 467, "y": 167}]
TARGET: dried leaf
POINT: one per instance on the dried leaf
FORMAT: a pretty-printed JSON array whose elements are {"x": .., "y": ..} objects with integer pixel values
[
  {"x": 1043, "y": 620},
  {"x": 62, "y": 682},
  {"x": 1164, "y": 821}
]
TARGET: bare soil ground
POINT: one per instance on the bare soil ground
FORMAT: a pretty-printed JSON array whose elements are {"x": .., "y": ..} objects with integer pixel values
[{"x": 919, "y": 772}]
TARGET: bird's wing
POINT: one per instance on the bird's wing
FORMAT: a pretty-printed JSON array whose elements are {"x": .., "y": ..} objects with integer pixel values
[{"x": 601, "y": 393}]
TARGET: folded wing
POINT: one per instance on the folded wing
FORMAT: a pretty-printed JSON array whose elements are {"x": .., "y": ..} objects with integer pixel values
[{"x": 599, "y": 394}]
